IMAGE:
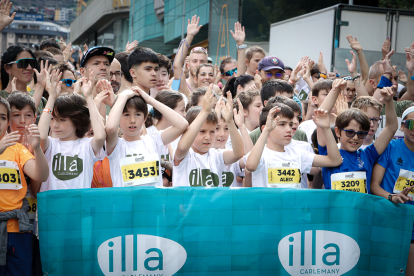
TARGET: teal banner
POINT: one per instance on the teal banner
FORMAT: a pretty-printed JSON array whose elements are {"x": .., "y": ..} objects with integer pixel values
[{"x": 220, "y": 231}]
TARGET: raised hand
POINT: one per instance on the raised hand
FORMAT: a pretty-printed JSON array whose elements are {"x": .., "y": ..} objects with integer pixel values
[
  {"x": 354, "y": 43},
  {"x": 5, "y": 17},
  {"x": 67, "y": 52},
  {"x": 77, "y": 87},
  {"x": 386, "y": 47},
  {"x": 131, "y": 46},
  {"x": 239, "y": 116},
  {"x": 271, "y": 121},
  {"x": 9, "y": 140},
  {"x": 331, "y": 75},
  {"x": 87, "y": 86},
  {"x": 321, "y": 118},
  {"x": 403, "y": 196},
  {"x": 33, "y": 136},
  {"x": 339, "y": 83},
  {"x": 308, "y": 68},
  {"x": 321, "y": 64},
  {"x": 41, "y": 76},
  {"x": 127, "y": 93},
  {"x": 227, "y": 108},
  {"x": 219, "y": 107},
  {"x": 142, "y": 93},
  {"x": 386, "y": 63},
  {"x": 352, "y": 66},
  {"x": 193, "y": 28},
  {"x": 258, "y": 80},
  {"x": 208, "y": 99},
  {"x": 387, "y": 93},
  {"x": 402, "y": 76},
  {"x": 186, "y": 65},
  {"x": 340, "y": 104},
  {"x": 409, "y": 54},
  {"x": 100, "y": 98},
  {"x": 53, "y": 83},
  {"x": 239, "y": 35}
]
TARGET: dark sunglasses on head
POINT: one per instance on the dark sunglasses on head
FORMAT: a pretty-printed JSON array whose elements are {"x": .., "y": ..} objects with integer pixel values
[
  {"x": 352, "y": 79},
  {"x": 230, "y": 72},
  {"x": 277, "y": 75},
  {"x": 408, "y": 124},
  {"x": 351, "y": 133},
  {"x": 24, "y": 63},
  {"x": 199, "y": 49},
  {"x": 69, "y": 82}
]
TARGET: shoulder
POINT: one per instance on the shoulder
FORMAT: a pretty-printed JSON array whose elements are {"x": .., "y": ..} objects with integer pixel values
[
  {"x": 255, "y": 132},
  {"x": 4, "y": 94},
  {"x": 300, "y": 135}
]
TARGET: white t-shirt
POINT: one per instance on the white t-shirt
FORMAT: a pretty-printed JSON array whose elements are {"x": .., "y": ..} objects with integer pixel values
[
  {"x": 270, "y": 160},
  {"x": 308, "y": 127},
  {"x": 228, "y": 143},
  {"x": 200, "y": 169},
  {"x": 70, "y": 164},
  {"x": 230, "y": 174},
  {"x": 306, "y": 147},
  {"x": 147, "y": 144},
  {"x": 151, "y": 130}
]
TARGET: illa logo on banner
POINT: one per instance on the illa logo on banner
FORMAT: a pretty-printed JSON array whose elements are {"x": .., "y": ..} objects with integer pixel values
[
  {"x": 323, "y": 252},
  {"x": 152, "y": 255}
]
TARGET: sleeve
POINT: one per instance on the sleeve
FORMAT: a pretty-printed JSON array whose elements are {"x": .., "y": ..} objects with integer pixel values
[
  {"x": 219, "y": 159},
  {"x": 261, "y": 165},
  {"x": 371, "y": 154},
  {"x": 24, "y": 155},
  {"x": 322, "y": 150},
  {"x": 385, "y": 157},
  {"x": 100, "y": 155},
  {"x": 306, "y": 161},
  {"x": 49, "y": 150},
  {"x": 116, "y": 152},
  {"x": 158, "y": 143}
]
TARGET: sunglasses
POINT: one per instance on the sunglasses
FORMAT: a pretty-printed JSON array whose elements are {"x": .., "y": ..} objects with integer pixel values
[
  {"x": 69, "y": 82},
  {"x": 198, "y": 49},
  {"x": 351, "y": 133},
  {"x": 408, "y": 124},
  {"x": 24, "y": 63},
  {"x": 277, "y": 75},
  {"x": 351, "y": 78},
  {"x": 230, "y": 72}
]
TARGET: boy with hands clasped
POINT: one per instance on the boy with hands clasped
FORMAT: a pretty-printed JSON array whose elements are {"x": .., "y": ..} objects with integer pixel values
[
  {"x": 195, "y": 162},
  {"x": 275, "y": 165}
]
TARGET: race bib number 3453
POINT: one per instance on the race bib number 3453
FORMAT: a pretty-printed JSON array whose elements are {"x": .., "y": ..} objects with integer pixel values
[
  {"x": 140, "y": 170},
  {"x": 283, "y": 175},
  {"x": 10, "y": 176}
]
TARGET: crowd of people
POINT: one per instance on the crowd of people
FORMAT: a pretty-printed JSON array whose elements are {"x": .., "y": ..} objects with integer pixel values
[{"x": 136, "y": 119}]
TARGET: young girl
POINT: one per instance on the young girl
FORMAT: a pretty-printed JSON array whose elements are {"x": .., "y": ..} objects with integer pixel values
[
  {"x": 240, "y": 84},
  {"x": 253, "y": 56},
  {"x": 134, "y": 159},
  {"x": 68, "y": 78},
  {"x": 393, "y": 175},
  {"x": 176, "y": 102},
  {"x": 198, "y": 96},
  {"x": 70, "y": 156}
]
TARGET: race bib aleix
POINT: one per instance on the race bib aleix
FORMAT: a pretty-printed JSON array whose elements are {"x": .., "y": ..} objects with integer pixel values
[
  {"x": 405, "y": 179},
  {"x": 10, "y": 176},
  {"x": 140, "y": 170},
  {"x": 283, "y": 175},
  {"x": 349, "y": 181}
]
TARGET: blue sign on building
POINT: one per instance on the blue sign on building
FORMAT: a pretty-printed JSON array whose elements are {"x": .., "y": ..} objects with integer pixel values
[{"x": 29, "y": 16}]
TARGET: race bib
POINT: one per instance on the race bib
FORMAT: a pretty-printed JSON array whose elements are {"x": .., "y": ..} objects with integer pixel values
[
  {"x": 10, "y": 176},
  {"x": 140, "y": 170},
  {"x": 405, "y": 179},
  {"x": 283, "y": 175},
  {"x": 349, "y": 181},
  {"x": 32, "y": 203}
]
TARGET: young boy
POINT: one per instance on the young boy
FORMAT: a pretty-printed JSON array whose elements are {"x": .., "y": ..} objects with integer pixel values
[
  {"x": 195, "y": 162},
  {"x": 372, "y": 108},
  {"x": 352, "y": 126},
  {"x": 275, "y": 165},
  {"x": 134, "y": 159},
  {"x": 17, "y": 161},
  {"x": 143, "y": 66}
]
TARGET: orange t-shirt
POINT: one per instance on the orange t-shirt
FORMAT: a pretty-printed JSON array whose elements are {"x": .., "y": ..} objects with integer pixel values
[
  {"x": 101, "y": 174},
  {"x": 13, "y": 199}
]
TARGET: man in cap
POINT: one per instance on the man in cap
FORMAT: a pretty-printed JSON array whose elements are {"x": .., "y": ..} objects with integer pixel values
[{"x": 270, "y": 68}]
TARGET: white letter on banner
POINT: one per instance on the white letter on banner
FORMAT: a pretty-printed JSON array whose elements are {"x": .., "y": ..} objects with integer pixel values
[{"x": 324, "y": 250}]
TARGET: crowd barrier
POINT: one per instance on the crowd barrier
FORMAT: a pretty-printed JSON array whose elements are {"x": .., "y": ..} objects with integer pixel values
[{"x": 144, "y": 231}]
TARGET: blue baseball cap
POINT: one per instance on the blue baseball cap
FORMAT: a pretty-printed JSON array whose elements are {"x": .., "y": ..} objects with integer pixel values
[{"x": 271, "y": 62}]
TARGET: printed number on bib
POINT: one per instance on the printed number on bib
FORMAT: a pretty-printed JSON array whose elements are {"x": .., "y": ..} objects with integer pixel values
[
  {"x": 349, "y": 181},
  {"x": 283, "y": 175},
  {"x": 10, "y": 176},
  {"x": 32, "y": 203},
  {"x": 405, "y": 179},
  {"x": 140, "y": 170}
]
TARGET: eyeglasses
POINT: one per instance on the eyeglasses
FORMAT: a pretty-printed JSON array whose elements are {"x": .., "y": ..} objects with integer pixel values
[
  {"x": 277, "y": 75},
  {"x": 230, "y": 72},
  {"x": 24, "y": 62},
  {"x": 117, "y": 74},
  {"x": 69, "y": 82},
  {"x": 408, "y": 124},
  {"x": 199, "y": 49},
  {"x": 351, "y": 133},
  {"x": 375, "y": 120}
]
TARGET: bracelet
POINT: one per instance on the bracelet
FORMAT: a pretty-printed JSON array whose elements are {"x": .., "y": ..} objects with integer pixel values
[
  {"x": 390, "y": 197},
  {"x": 290, "y": 81},
  {"x": 243, "y": 46},
  {"x": 322, "y": 75},
  {"x": 47, "y": 110},
  {"x": 412, "y": 78}
]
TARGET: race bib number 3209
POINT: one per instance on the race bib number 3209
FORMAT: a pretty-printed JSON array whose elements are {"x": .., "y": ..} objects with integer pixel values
[
  {"x": 349, "y": 181},
  {"x": 283, "y": 175},
  {"x": 140, "y": 170},
  {"x": 10, "y": 176}
]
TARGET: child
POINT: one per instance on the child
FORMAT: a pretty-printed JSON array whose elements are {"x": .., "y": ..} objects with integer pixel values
[
  {"x": 352, "y": 126},
  {"x": 163, "y": 76},
  {"x": 392, "y": 176},
  {"x": 17, "y": 161},
  {"x": 372, "y": 108},
  {"x": 239, "y": 84},
  {"x": 253, "y": 56},
  {"x": 176, "y": 102},
  {"x": 198, "y": 96},
  {"x": 134, "y": 159},
  {"x": 166, "y": 170},
  {"x": 195, "y": 162},
  {"x": 275, "y": 165},
  {"x": 71, "y": 157},
  {"x": 143, "y": 66}
]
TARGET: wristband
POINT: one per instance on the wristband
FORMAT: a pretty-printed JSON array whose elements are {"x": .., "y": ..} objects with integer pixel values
[
  {"x": 290, "y": 81},
  {"x": 47, "y": 110},
  {"x": 322, "y": 75},
  {"x": 243, "y": 46},
  {"x": 412, "y": 78},
  {"x": 385, "y": 82},
  {"x": 390, "y": 197}
]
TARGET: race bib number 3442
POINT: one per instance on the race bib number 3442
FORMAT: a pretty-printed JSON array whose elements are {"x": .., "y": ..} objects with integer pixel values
[
  {"x": 140, "y": 170},
  {"x": 283, "y": 175}
]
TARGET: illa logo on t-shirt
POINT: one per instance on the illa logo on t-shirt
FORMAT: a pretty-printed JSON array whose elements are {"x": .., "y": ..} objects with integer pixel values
[
  {"x": 227, "y": 179},
  {"x": 66, "y": 167},
  {"x": 203, "y": 177}
]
